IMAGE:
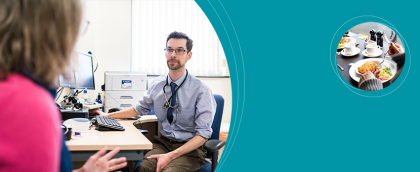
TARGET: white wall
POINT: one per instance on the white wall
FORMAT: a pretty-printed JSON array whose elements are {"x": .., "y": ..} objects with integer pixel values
[{"x": 108, "y": 38}]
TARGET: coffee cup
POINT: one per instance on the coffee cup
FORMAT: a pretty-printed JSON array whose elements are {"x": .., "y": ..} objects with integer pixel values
[
  {"x": 369, "y": 43},
  {"x": 350, "y": 48},
  {"x": 373, "y": 50}
]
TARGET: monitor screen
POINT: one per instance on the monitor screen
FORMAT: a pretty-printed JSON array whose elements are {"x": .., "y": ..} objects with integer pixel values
[
  {"x": 85, "y": 75},
  {"x": 69, "y": 82}
]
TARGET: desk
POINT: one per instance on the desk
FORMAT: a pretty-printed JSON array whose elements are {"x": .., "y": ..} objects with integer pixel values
[{"x": 131, "y": 143}]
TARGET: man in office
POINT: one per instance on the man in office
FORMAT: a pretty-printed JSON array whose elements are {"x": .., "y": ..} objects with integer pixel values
[{"x": 185, "y": 108}]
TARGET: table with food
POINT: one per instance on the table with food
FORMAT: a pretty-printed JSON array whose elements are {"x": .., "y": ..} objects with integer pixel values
[{"x": 357, "y": 54}]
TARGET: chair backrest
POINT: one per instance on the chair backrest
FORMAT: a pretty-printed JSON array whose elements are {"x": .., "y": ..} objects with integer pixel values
[{"x": 217, "y": 120}]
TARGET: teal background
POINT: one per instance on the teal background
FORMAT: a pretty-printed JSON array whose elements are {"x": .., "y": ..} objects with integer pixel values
[{"x": 291, "y": 112}]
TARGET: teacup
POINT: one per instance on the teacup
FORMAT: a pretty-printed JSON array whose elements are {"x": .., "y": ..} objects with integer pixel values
[
  {"x": 373, "y": 50},
  {"x": 369, "y": 43},
  {"x": 350, "y": 48}
]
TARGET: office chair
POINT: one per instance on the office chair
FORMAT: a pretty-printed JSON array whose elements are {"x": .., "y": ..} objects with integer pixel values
[{"x": 213, "y": 145}]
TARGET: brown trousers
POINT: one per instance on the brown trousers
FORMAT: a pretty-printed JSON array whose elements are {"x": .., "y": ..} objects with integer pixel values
[{"x": 192, "y": 161}]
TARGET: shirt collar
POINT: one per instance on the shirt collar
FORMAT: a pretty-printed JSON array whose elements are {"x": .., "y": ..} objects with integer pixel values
[{"x": 179, "y": 81}]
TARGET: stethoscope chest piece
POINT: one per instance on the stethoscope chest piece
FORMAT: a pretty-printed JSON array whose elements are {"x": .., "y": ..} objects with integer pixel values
[{"x": 168, "y": 105}]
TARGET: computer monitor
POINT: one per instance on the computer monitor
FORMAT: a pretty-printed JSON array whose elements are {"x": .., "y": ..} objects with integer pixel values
[
  {"x": 70, "y": 82},
  {"x": 83, "y": 77},
  {"x": 85, "y": 74}
]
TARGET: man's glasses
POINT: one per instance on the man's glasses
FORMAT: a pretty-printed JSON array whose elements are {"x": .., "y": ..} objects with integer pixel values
[{"x": 177, "y": 51}]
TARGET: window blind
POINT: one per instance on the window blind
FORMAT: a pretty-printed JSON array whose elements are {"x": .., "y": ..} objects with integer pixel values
[{"x": 152, "y": 21}]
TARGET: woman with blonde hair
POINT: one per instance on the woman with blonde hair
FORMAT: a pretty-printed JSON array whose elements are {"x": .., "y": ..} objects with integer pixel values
[{"x": 36, "y": 40}]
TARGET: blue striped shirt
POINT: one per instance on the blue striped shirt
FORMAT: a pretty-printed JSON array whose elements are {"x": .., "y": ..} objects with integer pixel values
[{"x": 194, "y": 114}]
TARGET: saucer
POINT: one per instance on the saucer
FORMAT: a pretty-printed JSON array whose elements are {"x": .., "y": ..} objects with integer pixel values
[
  {"x": 344, "y": 54},
  {"x": 367, "y": 55}
]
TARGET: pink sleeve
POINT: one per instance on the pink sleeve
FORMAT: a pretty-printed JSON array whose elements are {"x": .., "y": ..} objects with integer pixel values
[{"x": 30, "y": 131}]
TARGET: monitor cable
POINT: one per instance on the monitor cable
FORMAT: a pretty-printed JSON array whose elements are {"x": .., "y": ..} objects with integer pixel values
[
  {"x": 97, "y": 62},
  {"x": 59, "y": 91}
]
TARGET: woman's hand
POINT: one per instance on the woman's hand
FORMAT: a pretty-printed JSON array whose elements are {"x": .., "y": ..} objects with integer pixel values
[
  {"x": 99, "y": 163},
  {"x": 367, "y": 75},
  {"x": 395, "y": 49}
]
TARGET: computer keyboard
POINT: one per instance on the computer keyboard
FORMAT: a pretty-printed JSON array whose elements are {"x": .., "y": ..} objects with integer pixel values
[{"x": 104, "y": 123}]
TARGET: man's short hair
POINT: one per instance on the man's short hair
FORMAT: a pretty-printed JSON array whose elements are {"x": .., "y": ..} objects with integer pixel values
[{"x": 176, "y": 34}]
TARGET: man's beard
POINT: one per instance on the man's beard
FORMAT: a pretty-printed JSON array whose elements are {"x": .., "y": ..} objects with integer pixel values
[{"x": 174, "y": 66}]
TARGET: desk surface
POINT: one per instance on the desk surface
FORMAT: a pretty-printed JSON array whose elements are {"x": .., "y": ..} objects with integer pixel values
[{"x": 130, "y": 139}]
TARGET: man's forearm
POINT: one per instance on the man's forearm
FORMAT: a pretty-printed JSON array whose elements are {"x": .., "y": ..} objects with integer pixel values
[
  {"x": 191, "y": 145},
  {"x": 126, "y": 113}
]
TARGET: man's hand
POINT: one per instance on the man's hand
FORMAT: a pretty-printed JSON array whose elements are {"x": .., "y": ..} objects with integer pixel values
[
  {"x": 100, "y": 113},
  {"x": 97, "y": 162},
  {"x": 367, "y": 75},
  {"x": 126, "y": 113},
  {"x": 163, "y": 160},
  {"x": 395, "y": 49}
]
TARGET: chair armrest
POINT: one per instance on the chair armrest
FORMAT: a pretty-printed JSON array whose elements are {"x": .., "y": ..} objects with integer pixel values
[{"x": 214, "y": 145}]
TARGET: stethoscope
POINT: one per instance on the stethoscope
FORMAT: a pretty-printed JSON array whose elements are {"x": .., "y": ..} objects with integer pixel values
[{"x": 168, "y": 104}]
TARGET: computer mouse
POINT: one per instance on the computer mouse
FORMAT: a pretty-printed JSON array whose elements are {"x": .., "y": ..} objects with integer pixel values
[
  {"x": 93, "y": 114},
  {"x": 93, "y": 121},
  {"x": 114, "y": 110},
  {"x": 136, "y": 117}
]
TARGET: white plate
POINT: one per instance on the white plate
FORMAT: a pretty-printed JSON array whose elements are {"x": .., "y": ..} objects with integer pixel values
[
  {"x": 352, "y": 40},
  {"x": 387, "y": 63},
  {"x": 367, "y": 55},
  {"x": 344, "y": 54}
]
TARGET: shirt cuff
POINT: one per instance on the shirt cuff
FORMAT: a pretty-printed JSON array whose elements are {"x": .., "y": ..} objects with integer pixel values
[{"x": 206, "y": 133}]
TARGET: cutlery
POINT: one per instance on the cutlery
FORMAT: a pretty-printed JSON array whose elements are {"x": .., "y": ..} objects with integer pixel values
[
  {"x": 379, "y": 66},
  {"x": 342, "y": 69}
]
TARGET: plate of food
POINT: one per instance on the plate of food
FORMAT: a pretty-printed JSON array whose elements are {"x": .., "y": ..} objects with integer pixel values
[
  {"x": 385, "y": 72},
  {"x": 344, "y": 41}
]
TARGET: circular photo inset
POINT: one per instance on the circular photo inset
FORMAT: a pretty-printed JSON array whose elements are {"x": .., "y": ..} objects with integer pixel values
[{"x": 370, "y": 56}]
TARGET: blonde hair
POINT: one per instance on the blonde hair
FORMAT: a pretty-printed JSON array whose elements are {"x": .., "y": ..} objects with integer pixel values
[{"x": 37, "y": 37}]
